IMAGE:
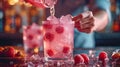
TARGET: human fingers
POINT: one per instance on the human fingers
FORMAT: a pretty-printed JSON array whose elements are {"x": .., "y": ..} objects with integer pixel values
[
  {"x": 82, "y": 16},
  {"x": 86, "y": 20},
  {"x": 87, "y": 25},
  {"x": 86, "y": 30}
]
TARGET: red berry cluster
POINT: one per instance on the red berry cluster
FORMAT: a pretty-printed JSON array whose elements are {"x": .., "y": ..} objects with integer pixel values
[
  {"x": 81, "y": 58},
  {"x": 50, "y": 52},
  {"x": 59, "y": 29},
  {"x": 84, "y": 59},
  {"x": 65, "y": 50},
  {"x": 50, "y": 36},
  {"x": 78, "y": 59},
  {"x": 30, "y": 37},
  {"x": 10, "y": 52},
  {"x": 47, "y": 25},
  {"x": 116, "y": 56},
  {"x": 103, "y": 57}
]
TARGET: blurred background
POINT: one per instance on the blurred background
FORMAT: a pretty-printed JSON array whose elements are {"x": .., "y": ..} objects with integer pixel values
[{"x": 16, "y": 13}]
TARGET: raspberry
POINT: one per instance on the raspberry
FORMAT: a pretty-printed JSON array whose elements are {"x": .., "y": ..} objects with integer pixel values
[
  {"x": 47, "y": 25},
  {"x": 30, "y": 37},
  {"x": 39, "y": 31},
  {"x": 86, "y": 58},
  {"x": 59, "y": 29},
  {"x": 66, "y": 49},
  {"x": 116, "y": 56},
  {"x": 103, "y": 55},
  {"x": 34, "y": 45},
  {"x": 49, "y": 36},
  {"x": 78, "y": 59},
  {"x": 28, "y": 27},
  {"x": 9, "y": 52},
  {"x": 50, "y": 52}
]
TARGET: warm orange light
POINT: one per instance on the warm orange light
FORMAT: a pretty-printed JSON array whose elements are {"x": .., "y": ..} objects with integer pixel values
[
  {"x": 116, "y": 26},
  {"x": 36, "y": 50},
  {"x": 13, "y": 2},
  {"x": 28, "y": 4}
]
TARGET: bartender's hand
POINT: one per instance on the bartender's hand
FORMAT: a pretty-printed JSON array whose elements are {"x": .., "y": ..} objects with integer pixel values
[{"x": 85, "y": 22}]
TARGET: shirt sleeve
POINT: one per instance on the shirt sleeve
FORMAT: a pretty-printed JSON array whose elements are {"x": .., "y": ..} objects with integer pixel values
[{"x": 105, "y": 5}]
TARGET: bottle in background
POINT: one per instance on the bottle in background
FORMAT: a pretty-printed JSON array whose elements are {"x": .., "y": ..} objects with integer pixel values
[
  {"x": 18, "y": 22},
  {"x": 33, "y": 15},
  {"x": 9, "y": 26},
  {"x": 24, "y": 15},
  {"x": 116, "y": 25},
  {"x": 1, "y": 17},
  {"x": 119, "y": 21}
]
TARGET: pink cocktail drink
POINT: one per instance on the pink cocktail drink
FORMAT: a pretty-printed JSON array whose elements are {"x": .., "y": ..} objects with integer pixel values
[
  {"x": 58, "y": 38},
  {"x": 33, "y": 39}
]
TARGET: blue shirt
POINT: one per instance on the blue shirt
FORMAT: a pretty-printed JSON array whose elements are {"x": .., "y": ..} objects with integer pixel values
[{"x": 84, "y": 40}]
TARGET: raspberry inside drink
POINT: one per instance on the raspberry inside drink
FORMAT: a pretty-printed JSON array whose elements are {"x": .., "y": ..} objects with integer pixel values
[
  {"x": 58, "y": 38},
  {"x": 33, "y": 40}
]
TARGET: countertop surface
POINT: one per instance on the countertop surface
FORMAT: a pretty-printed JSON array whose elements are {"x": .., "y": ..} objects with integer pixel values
[{"x": 21, "y": 61}]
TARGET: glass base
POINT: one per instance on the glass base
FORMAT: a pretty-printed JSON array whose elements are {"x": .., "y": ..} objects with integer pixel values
[
  {"x": 59, "y": 62},
  {"x": 35, "y": 61}
]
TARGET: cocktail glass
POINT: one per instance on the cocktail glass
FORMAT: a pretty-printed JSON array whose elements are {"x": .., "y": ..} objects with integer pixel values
[
  {"x": 33, "y": 43},
  {"x": 58, "y": 34}
]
